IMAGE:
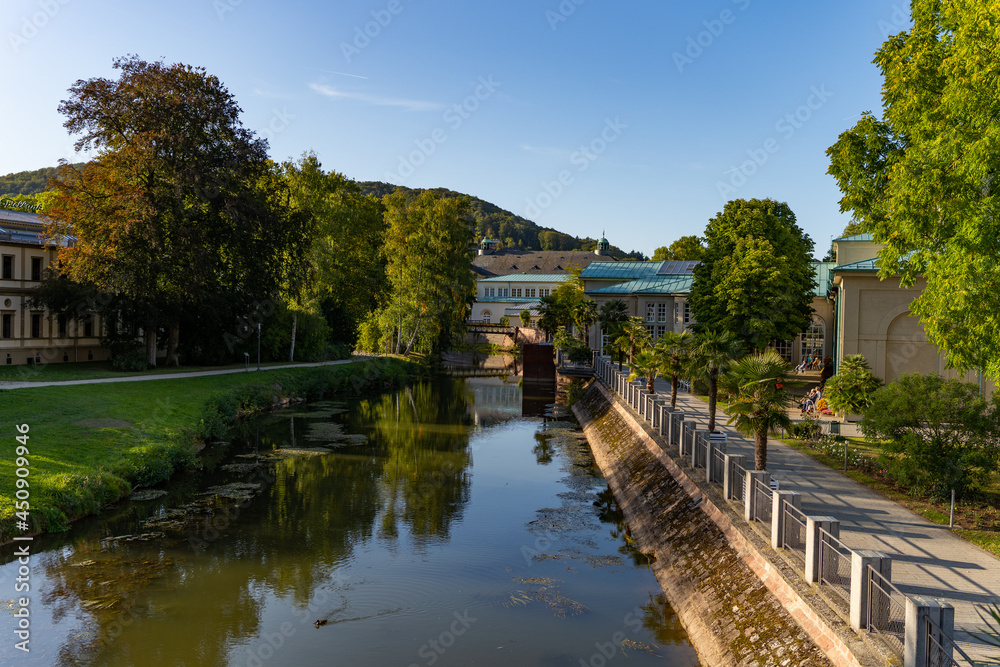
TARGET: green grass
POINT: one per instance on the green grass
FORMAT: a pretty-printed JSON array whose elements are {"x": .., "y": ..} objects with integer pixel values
[
  {"x": 97, "y": 370},
  {"x": 78, "y": 463}
]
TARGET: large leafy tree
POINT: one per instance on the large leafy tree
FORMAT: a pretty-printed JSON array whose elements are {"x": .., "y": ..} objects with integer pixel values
[
  {"x": 756, "y": 278},
  {"x": 180, "y": 217},
  {"x": 762, "y": 393},
  {"x": 923, "y": 179},
  {"x": 428, "y": 247},
  {"x": 686, "y": 248}
]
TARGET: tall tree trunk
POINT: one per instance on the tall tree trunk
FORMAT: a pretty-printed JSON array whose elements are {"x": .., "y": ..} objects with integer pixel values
[
  {"x": 173, "y": 341},
  {"x": 149, "y": 334},
  {"x": 675, "y": 383},
  {"x": 760, "y": 449},
  {"x": 295, "y": 321},
  {"x": 413, "y": 338},
  {"x": 649, "y": 383},
  {"x": 713, "y": 391}
]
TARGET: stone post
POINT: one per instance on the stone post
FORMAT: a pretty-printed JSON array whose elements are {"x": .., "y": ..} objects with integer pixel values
[
  {"x": 779, "y": 500},
  {"x": 917, "y": 647},
  {"x": 813, "y": 526},
  {"x": 860, "y": 588}
]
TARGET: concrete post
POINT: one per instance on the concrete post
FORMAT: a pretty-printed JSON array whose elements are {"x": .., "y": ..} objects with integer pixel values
[
  {"x": 728, "y": 475},
  {"x": 917, "y": 647},
  {"x": 749, "y": 496},
  {"x": 860, "y": 588},
  {"x": 779, "y": 499},
  {"x": 813, "y": 526}
]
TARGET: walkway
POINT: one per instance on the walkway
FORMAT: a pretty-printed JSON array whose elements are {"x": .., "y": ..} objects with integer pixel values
[
  {"x": 171, "y": 376},
  {"x": 927, "y": 559}
]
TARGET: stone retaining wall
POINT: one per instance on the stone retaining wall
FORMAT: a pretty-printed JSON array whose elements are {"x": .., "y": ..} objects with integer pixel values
[{"x": 739, "y": 604}]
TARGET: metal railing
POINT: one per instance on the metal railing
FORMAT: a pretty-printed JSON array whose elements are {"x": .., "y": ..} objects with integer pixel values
[
  {"x": 835, "y": 565},
  {"x": 739, "y": 476},
  {"x": 886, "y": 612},
  {"x": 762, "y": 502},
  {"x": 700, "y": 451},
  {"x": 688, "y": 440},
  {"x": 793, "y": 537},
  {"x": 941, "y": 649},
  {"x": 718, "y": 464},
  {"x": 675, "y": 429}
]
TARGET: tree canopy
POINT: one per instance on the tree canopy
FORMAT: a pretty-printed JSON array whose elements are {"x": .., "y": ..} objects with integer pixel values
[
  {"x": 180, "y": 215},
  {"x": 686, "y": 248},
  {"x": 923, "y": 178},
  {"x": 756, "y": 278}
]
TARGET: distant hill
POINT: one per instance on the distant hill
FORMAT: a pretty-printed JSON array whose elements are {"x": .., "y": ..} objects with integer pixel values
[
  {"x": 502, "y": 225},
  {"x": 29, "y": 182}
]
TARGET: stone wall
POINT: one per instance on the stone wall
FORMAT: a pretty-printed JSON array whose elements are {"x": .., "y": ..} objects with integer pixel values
[{"x": 738, "y": 606}]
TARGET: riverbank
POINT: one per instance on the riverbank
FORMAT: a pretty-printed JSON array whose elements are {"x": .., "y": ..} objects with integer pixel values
[
  {"x": 738, "y": 606},
  {"x": 89, "y": 446}
]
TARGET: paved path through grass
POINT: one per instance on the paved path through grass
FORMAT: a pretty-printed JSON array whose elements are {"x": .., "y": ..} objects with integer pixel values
[{"x": 927, "y": 559}]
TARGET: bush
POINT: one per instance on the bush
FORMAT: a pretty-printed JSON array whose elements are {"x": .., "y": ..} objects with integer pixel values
[
  {"x": 937, "y": 434},
  {"x": 851, "y": 390},
  {"x": 129, "y": 357}
]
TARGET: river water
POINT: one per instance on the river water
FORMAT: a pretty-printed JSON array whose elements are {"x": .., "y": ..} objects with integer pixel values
[{"x": 436, "y": 525}]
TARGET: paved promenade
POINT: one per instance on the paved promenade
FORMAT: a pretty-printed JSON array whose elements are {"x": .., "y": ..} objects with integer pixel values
[{"x": 927, "y": 559}]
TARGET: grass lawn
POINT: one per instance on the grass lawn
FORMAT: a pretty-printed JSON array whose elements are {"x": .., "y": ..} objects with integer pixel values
[
  {"x": 976, "y": 519},
  {"x": 103, "y": 436},
  {"x": 98, "y": 370}
]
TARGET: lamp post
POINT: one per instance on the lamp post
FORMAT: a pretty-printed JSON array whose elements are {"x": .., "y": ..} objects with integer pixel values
[{"x": 258, "y": 346}]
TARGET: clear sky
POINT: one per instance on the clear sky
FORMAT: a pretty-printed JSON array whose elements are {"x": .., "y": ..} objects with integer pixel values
[{"x": 639, "y": 119}]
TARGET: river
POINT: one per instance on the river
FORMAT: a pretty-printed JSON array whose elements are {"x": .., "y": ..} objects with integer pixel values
[{"x": 437, "y": 525}]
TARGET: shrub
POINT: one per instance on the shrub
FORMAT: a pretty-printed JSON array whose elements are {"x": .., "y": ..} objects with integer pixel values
[
  {"x": 129, "y": 357},
  {"x": 851, "y": 390},
  {"x": 937, "y": 434}
]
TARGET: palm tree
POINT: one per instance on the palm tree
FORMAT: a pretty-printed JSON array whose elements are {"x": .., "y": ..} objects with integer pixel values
[
  {"x": 584, "y": 315},
  {"x": 645, "y": 364},
  {"x": 674, "y": 353},
  {"x": 633, "y": 336},
  {"x": 714, "y": 351},
  {"x": 761, "y": 399},
  {"x": 611, "y": 316}
]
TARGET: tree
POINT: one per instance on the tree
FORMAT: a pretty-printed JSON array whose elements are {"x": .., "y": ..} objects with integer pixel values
[
  {"x": 427, "y": 248},
  {"x": 686, "y": 248},
  {"x": 611, "y": 315},
  {"x": 923, "y": 181},
  {"x": 937, "y": 434},
  {"x": 714, "y": 351},
  {"x": 762, "y": 395},
  {"x": 851, "y": 389},
  {"x": 756, "y": 278},
  {"x": 180, "y": 217},
  {"x": 674, "y": 352},
  {"x": 584, "y": 315},
  {"x": 646, "y": 364},
  {"x": 525, "y": 316},
  {"x": 633, "y": 336}
]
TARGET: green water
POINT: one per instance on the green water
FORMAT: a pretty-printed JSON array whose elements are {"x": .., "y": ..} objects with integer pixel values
[{"x": 454, "y": 532}]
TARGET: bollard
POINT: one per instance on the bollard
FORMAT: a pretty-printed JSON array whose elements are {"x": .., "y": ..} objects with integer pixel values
[
  {"x": 861, "y": 587},
  {"x": 920, "y": 611}
]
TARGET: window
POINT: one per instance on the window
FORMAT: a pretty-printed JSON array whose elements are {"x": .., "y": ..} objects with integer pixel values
[
  {"x": 7, "y": 326},
  {"x": 650, "y": 330},
  {"x": 687, "y": 313},
  {"x": 62, "y": 328},
  {"x": 36, "y": 268},
  {"x": 503, "y": 291},
  {"x": 649, "y": 312},
  {"x": 783, "y": 348},
  {"x": 814, "y": 338},
  {"x": 605, "y": 341},
  {"x": 661, "y": 312},
  {"x": 516, "y": 292},
  {"x": 489, "y": 291},
  {"x": 36, "y": 325},
  {"x": 8, "y": 267},
  {"x": 486, "y": 316},
  {"x": 88, "y": 326},
  {"x": 529, "y": 292},
  {"x": 544, "y": 291},
  {"x": 660, "y": 330}
]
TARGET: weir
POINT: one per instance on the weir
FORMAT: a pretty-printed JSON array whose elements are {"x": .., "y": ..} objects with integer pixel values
[{"x": 739, "y": 604}]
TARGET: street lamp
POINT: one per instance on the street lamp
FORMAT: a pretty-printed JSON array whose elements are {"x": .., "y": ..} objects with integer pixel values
[{"x": 258, "y": 346}]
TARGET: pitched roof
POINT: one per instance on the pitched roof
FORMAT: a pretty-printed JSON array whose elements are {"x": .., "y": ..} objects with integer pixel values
[
  {"x": 509, "y": 261},
  {"x": 863, "y": 265},
  {"x": 672, "y": 284},
  {"x": 823, "y": 277},
  {"x": 620, "y": 270},
  {"x": 671, "y": 267},
  {"x": 856, "y": 237}
]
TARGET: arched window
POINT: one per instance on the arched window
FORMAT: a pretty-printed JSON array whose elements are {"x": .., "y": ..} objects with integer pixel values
[
  {"x": 486, "y": 316},
  {"x": 814, "y": 339}
]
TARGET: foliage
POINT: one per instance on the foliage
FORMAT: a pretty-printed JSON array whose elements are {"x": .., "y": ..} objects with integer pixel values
[
  {"x": 850, "y": 390},
  {"x": 646, "y": 364},
  {"x": 673, "y": 351},
  {"x": 713, "y": 352},
  {"x": 762, "y": 394},
  {"x": 756, "y": 278},
  {"x": 29, "y": 182},
  {"x": 180, "y": 216},
  {"x": 312, "y": 334},
  {"x": 686, "y": 248},
  {"x": 525, "y": 317},
  {"x": 937, "y": 434},
  {"x": 574, "y": 349},
  {"x": 427, "y": 250},
  {"x": 923, "y": 181},
  {"x": 504, "y": 321},
  {"x": 584, "y": 316},
  {"x": 558, "y": 308},
  {"x": 633, "y": 336}
]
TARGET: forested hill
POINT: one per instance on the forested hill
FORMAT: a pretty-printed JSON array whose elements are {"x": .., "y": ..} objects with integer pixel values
[
  {"x": 28, "y": 182},
  {"x": 511, "y": 230}
]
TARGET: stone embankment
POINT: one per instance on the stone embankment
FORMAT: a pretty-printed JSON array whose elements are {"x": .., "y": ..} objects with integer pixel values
[{"x": 737, "y": 604}]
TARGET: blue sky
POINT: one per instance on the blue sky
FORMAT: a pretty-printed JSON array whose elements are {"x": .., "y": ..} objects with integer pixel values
[{"x": 637, "y": 119}]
